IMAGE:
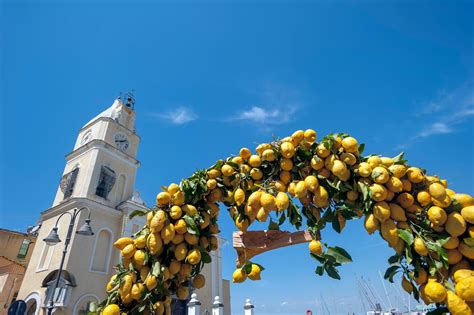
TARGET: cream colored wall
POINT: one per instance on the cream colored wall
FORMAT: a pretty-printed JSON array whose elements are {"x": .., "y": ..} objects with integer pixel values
[
  {"x": 10, "y": 283},
  {"x": 10, "y": 244},
  {"x": 226, "y": 297}
]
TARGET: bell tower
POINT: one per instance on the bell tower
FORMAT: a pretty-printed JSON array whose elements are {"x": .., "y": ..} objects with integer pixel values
[
  {"x": 99, "y": 176},
  {"x": 103, "y": 164}
]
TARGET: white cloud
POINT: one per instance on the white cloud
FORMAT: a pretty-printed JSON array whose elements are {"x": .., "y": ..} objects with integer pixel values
[
  {"x": 435, "y": 129},
  {"x": 283, "y": 303},
  {"x": 266, "y": 116},
  {"x": 178, "y": 116}
]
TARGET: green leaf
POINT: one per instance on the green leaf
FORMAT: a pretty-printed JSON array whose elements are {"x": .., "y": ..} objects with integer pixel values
[
  {"x": 205, "y": 257},
  {"x": 391, "y": 272},
  {"x": 394, "y": 259},
  {"x": 399, "y": 159},
  {"x": 406, "y": 236},
  {"x": 273, "y": 225},
  {"x": 332, "y": 271},
  {"x": 135, "y": 213},
  {"x": 319, "y": 270},
  {"x": 361, "y": 148},
  {"x": 469, "y": 241},
  {"x": 340, "y": 254},
  {"x": 192, "y": 227},
  {"x": 156, "y": 271},
  {"x": 335, "y": 224}
]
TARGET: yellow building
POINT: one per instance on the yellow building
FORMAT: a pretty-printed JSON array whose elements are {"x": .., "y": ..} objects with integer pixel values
[
  {"x": 15, "y": 253},
  {"x": 99, "y": 176}
]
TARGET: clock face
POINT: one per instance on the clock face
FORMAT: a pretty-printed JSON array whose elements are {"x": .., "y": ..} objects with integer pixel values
[
  {"x": 87, "y": 136},
  {"x": 121, "y": 141}
]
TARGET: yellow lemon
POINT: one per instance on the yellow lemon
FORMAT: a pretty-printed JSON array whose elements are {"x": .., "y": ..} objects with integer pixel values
[
  {"x": 122, "y": 242},
  {"x": 397, "y": 170},
  {"x": 465, "y": 289},
  {"x": 437, "y": 215},
  {"x": 374, "y": 161},
  {"x": 378, "y": 192},
  {"x": 254, "y": 274},
  {"x": 462, "y": 274},
  {"x": 180, "y": 252},
  {"x": 239, "y": 196},
  {"x": 397, "y": 213},
  {"x": 407, "y": 286},
  {"x": 255, "y": 161},
  {"x": 245, "y": 153},
  {"x": 268, "y": 201},
  {"x": 371, "y": 223},
  {"x": 381, "y": 211},
  {"x": 464, "y": 199},
  {"x": 182, "y": 293},
  {"x": 322, "y": 151},
  {"x": 422, "y": 276},
  {"x": 239, "y": 276},
  {"x": 315, "y": 247},
  {"x": 415, "y": 175},
  {"x": 310, "y": 135},
  {"x": 456, "y": 305},
  {"x": 286, "y": 164},
  {"x": 468, "y": 214},
  {"x": 287, "y": 150},
  {"x": 389, "y": 232},
  {"x": 317, "y": 163},
  {"x": 364, "y": 169},
  {"x": 194, "y": 256},
  {"x": 128, "y": 251},
  {"x": 394, "y": 184},
  {"x": 163, "y": 198},
  {"x": 348, "y": 158},
  {"x": 350, "y": 145},
  {"x": 420, "y": 247},
  {"x": 199, "y": 281},
  {"x": 380, "y": 175},
  {"x": 455, "y": 224},
  {"x": 282, "y": 201},
  {"x": 111, "y": 309},
  {"x": 435, "y": 292},
  {"x": 452, "y": 243},
  {"x": 423, "y": 198},
  {"x": 437, "y": 191},
  {"x": 466, "y": 250}
]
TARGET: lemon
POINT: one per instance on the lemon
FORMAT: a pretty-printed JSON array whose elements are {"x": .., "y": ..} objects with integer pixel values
[
  {"x": 262, "y": 214},
  {"x": 397, "y": 170},
  {"x": 194, "y": 256},
  {"x": 174, "y": 267},
  {"x": 154, "y": 243},
  {"x": 227, "y": 170},
  {"x": 254, "y": 274},
  {"x": 466, "y": 250},
  {"x": 128, "y": 251},
  {"x": 397, "y": 213},
  {"x": 317, "y": 163},
  {"x": 136, "y": 292},
  {"x": 321, "y": 197},
  {"x": 189, "y": 210},
  {"x": 348, "y": 158},
  {"x": 423, "y": 198},
  {"x": 285, "y": 177},
  {"x": 180, "y": 226},
  {"x": 454, "y": 256},
  {"x": 256, "y": 174},
  {"x": 287, "y": 150},
  {"x": 182, "y": 293},
  {"x": 238, "y": 160},
  {"x": 468, "y": 214},
  {"x": 462, "y": 274},
  {"x": 381, "y": 211},
  {"x": 324, "y": 172},
  {"x": 456, "y": 305},
  {"x": 139, "y": 257},
  {"x": 111, "y": 309},
  {"x": 444, "y": 203},
  {"x": 239, "y": 276},
  {"x": 386, "y": 161},
  {"x": 213, "y": 173},
  {"x": 311, "y": 182},
  {"x": 352, "y": 195},
  {"x": 122, "y": 242},
  {"x": 371, "y": 223},
  {"x": 158, "y": 221},
  {"x": 254, "y": 199},
  {"x": 300, "y": 189},
  {"x": 151, "y": 282},
  {"x": 167, "y": 233},
  {"x": 297, "y": 136},
  {"x": 282, "y": 201},
  {"x": 310, "y": 135},
  {"x": 185, "y": 270},
  {"x": 350, "y": 145},
  {"x": 110, "y": 284},
  {"x": 242, "y": 224},
  {"x": 315, "y": 247},
  {"x": 239, "y": 196},
  {"x": 199, "y": 281},
  {"x": 378, "y": 192},
  {"x": 268, "y": 201},
  {"x": 405, "y": 200},
  {"x": 422, "y": 276},
  {"x": 464, "y": 199},
  {"x": 435, "y": 292},
  {"x": 269, "y": 155},
  {"x": 452, "y": 243},
  {"x": 163, "y": 198},
  {"x": 465, "y": 289},
  {"x": 178, "y": 198},
  {"x": 286, "y": 164},
  {"x": 389, "y": 232},
  {"x": 420, "y": 247},
  {"x": 407, "y": 286},
  {"x": 437, "y": 191},
  {"x": 407, "y": 185},
  {"x": 364, "y": 169},
  {"x": 374, "y": 161},
  {"x": 255, "y": 161},
  {"x": 191, "y": 239},
  {"x": 394, "y": 184},
  {"x": 437, "y": 215},
  {"x": 329, "y": 161},
  {"x": 180, "y": 252},
  {"x": 338, "y": 167},
  {"x": 414, "y": 175},
  {"x": 380, "y": 175},
  {"x": 245, "y": 153},
  {"x": 455, "y": 224},
  {"x": 159, "y": 308}
]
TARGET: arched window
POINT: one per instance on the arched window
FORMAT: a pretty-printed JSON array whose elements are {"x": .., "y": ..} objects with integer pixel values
[
  {"x": 121, "y": 188},
  {"x": 100, "y": 258},
  {"x": 33, "y": 302},
  {"x": 86, "y": 304}
]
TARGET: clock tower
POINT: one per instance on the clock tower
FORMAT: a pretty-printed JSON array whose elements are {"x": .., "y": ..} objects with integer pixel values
[{"x": 99, "y": 175}]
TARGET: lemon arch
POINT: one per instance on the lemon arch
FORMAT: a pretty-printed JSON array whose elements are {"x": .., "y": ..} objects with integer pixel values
[{"x": 301, "y": 181}]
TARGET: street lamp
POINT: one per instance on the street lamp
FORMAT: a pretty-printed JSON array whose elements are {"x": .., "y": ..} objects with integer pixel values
[{"x": 53, "y": 238}]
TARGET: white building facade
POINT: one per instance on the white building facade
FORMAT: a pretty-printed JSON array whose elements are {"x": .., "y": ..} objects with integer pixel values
[{"x": 99, "y": 176}]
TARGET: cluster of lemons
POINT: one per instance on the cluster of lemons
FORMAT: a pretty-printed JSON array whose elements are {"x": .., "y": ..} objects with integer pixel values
[{"x": 430, "y": 227}]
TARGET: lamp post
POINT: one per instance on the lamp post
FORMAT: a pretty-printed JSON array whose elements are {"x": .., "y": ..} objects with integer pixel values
[{"x": 53, "y": 238}]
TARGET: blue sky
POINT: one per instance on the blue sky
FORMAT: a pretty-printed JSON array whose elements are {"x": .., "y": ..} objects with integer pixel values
[{"x": 211, "y": 77}]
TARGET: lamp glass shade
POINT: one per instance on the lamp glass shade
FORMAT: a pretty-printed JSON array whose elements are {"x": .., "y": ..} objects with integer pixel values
[
  {"x": 52, "y": 238},
  {"x": 85, "y": 229}
]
